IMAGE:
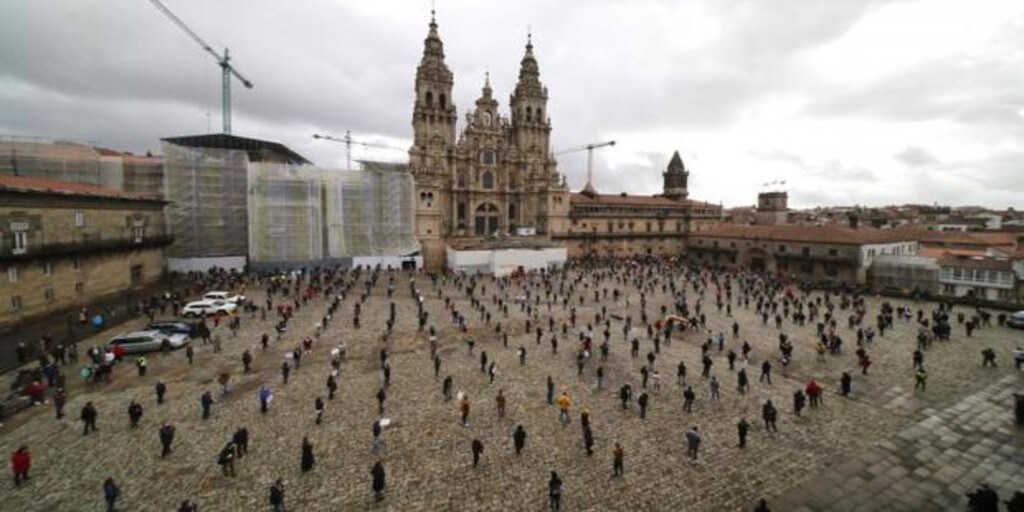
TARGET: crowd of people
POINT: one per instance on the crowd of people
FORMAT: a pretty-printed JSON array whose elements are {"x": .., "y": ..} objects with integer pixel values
[{"x": 655, "y": 303}]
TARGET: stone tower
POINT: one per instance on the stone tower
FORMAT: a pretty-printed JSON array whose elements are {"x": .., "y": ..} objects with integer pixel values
[
  {"x": 772, "y": 208},
  {"x": 531, "y": 128},
  {"x": 433, "y": 124},
  {"x": 675, "y": 177}
]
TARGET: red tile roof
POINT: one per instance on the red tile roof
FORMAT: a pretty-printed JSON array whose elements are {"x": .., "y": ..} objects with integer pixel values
[
  {"x": 25, "y": 184},
  {"x": 831, "y": 234},
  {"x": 951, "y": 260},
  {"x": 628, "y": 200}
]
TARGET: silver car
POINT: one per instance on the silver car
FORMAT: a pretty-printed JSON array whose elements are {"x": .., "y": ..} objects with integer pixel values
[{"x": 147, "y": 341}]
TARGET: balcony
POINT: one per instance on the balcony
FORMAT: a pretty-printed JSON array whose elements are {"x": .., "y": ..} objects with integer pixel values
[{"x": 56, "y": 250}]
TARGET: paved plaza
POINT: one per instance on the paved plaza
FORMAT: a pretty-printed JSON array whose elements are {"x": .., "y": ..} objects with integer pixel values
[{"x": 885, "y": 447}]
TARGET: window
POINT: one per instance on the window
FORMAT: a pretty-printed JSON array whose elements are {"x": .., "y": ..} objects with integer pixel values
[
  {"x": 488, "y": 180},
  {"x": 833, "y": 252},
  {"x": 611, "y": 227},
  {"x": 512, "y": 212},
  {"x": 782, "y": 248},
  {"x": 138, "y": 232},
  {"x": 79, "y": 219},
  {"x": 47, "y": 268},
  {"x": 430, "y": 99},
  {"x": 15, "y": 302},
  {"x": 79, "y": 288},
  {"x": 136, "y": 274},
  {"x": 486, "y": 220},
  {"x": 12, "y": 274},
  {"x": 461, "y": 181},
  {"x": 648, "y": 226},
  {"x": 487, "y": 157},
  {"x": 441, "y": 101},
  {"x": 460, "y": 211},
  {"x": 20, "y": 242},
  {"x": 48, "y": 294}
]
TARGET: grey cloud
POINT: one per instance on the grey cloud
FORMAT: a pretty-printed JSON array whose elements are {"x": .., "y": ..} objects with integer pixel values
[{"x": 914, "y": 156}]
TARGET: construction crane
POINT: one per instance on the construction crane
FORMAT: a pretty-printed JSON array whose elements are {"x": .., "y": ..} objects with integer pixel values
[
  {"x": 348, "y": 142},
  {"x": 589, "y": 187},
  {"x": 224, "y": 61}
]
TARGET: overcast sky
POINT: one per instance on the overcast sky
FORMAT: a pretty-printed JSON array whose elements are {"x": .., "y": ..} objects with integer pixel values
[{"x": 847, "y": 101}]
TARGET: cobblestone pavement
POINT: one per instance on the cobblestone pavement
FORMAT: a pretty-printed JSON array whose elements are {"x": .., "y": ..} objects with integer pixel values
[{"x": 428, "y": 460}]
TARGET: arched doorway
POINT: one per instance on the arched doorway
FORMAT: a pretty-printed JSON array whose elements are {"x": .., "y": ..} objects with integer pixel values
[{"x": 485, "y": 219}]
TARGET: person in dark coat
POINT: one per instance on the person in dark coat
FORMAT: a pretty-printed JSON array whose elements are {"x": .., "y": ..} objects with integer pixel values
[
  {"x": 555, "y": 492},
  {"x": 478, "y": 449},
  {"x": 846, "y": 384},
  {"x": 307, "y": 455},
  {"x": 166, "y": 438},
  {"x": 519, "y": 439},
  {"x": 378, "y": 481},
  {"x": 134, "y": 414},
  {"x": 277, "y": 496},
  {"x": 241, "y": 440},
  {"x": 111, "y": 492},
  {"x": 161, "y": 390},
  {"x": 88, "y": 418}
]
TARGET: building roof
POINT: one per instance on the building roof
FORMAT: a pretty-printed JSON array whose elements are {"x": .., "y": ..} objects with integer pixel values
[
  {"x": 975, "y": 262},
  {"x": 30, "y": 185},
  {"x": 628, "y": 200},
  {"x": 831, "y": 234},
  {"x": 254, "y": 147},
  {"x": 975, "y": 238}
]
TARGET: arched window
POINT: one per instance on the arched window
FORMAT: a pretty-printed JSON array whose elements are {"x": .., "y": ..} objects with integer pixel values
[
  {"x": 442, "y": 101},
  {"x": 540, "y": 115},
  {"x": 487, "y": 157},
  {"x": 486, "y": 219},
  {"x": 488, "y": 180},
  {"x": 460, "y": 211},
  {"x": 461, "y": 181},
  {"x": 529, "y": 113},
  {"x": 430, "y": 99},
  {"x": 512, "y": 212}
]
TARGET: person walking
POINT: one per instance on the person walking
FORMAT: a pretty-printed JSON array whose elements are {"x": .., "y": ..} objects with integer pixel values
[
  {"x": 60, "y": 398},
  {"x": 111, "y": 492},
  {"x": 241, "y": 440},
  {"x": 563, "y": 407},
  {"x": 519, "y": 439},
  {"x": 799, "y": 400},
  {"x": 377, "y": 472},
  {"x": 307, "y": 460},
  {"x": 464, "y": 409},
  {"x": 166, "y": 438},
  {"x": 446, "y": 388},
  {"x": 226, "y": 459},
  {"x": 743, "y": 428},
  {"x": 618, "y": 454},
  {"x": 381, "y": 396},
  {"x": 499, "y": 402},
  {"x": 555, "y": 492},
  {"x": 642, "y": 402},
  {"x": 714, "y": 387},
  {"x": 551, "y": 391},
  {"x": 332, "y": 386},
  {"x": 246, "y": 361},
  {"x": 21, "y": 462},
  {"x": 742, "y": 382},
  {"x": 318, "y": 409},
  {"x": 693, "y": 440},
  {"x": 88, "y": 417},
  {"x": 190, "y": 354},
  {"x": 920, "y": 379},
  {"x": 766, "y": 372},
  {"x": 277, "y": 496},
  {"x": 477, "y": 448},
  {"x": 688, "y": 397}
]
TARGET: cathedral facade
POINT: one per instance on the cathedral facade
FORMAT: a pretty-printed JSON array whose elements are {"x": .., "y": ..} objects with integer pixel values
[{"x": 495, "y": 175}]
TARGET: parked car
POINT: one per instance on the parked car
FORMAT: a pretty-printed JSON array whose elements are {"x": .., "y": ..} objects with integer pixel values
[
  {"x": 147, "y": 341},
  {"x": 173, "y": 327},
  {"x": 1016, "y": 320},
  {"x": 207, "y": 308},
  {"x": 224, "y": 296}
]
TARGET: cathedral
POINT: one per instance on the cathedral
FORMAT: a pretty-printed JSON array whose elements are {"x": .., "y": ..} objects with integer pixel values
[{"x": 497, "y": 177}]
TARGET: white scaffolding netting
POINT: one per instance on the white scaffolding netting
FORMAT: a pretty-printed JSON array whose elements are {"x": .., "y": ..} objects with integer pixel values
[{"x": 306, "y": 213}]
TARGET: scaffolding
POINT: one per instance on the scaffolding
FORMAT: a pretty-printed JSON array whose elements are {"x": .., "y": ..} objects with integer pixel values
[
  {"x": 77, "y": 162},
  {"x": 905, "y": 273},
  {"x": 207, "y": 192},
  {"x": 309, "y": 215}
]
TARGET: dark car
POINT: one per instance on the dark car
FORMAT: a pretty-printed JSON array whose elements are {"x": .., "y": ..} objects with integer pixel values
[{"x": 173, "y": 327}]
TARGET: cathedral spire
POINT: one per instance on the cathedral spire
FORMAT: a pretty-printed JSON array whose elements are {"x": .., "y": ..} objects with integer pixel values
[
  {"x": 675, "y": 178},
  {"x": 487, "y": 85},
  {"x": 432, "y": 45}
]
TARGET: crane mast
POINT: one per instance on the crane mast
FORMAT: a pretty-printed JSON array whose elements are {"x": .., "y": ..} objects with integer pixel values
[
  {"x": 224, "y": 61},
  {"x": 589, "y": 187},
  {"x": 348, "y": 142}
]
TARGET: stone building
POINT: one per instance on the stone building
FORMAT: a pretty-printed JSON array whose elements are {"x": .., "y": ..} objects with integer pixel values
[
  {"x": 623, "y": 225},
  {"x": 772, "y": 208},
  {"x": 494, "y": 176},
  {"x": 64, "y": 245},
  {"x": 841, "y": 254}
]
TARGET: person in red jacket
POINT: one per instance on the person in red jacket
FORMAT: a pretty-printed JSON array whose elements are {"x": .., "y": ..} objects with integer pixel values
[{"x": 21, "y": 461}]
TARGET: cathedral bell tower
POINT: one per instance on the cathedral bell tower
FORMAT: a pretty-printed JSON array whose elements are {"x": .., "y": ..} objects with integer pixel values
[
  {"x": 529, "y": 106},
  {"x": 675, "y": 177}
]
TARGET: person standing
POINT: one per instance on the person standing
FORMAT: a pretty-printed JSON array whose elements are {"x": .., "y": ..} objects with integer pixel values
[
  {"x": 161, "y": 390},
  {"x": 688, "y": 397},
  {"x": 265, "y": 397},
  {"x": 166, "y": 438},
  {"x": 563, "y": 407},
  {"x": 246, "y": 361},
  {"x": 478, "y": 449},
  {"x": 332, "y": 386},
  {"x": 21, "y": 462},
  {"x": 464, "y": 409},
  {"x": 307, "y": 460},
  {"x": 642, "y": 401},
  {"x": 625, "y": 394},
  {"x": 799, "y": 399},
  {"x": 241, "y": 440},
  {"x": 845, "y": 384},
  {"x": 446, "y": 388},
  {"x": 499, "y": 402},
  {"x": 60, "y": 398},
  {"x": 206, "y": 401},
  {"x": 551, "y": 391},
  {"x": 693, "y": 440},
  {"x": 190, "y": 354},
  {"x": 714, "y": 386},
  {"x": 226, "y": 459},
  {"x": 378, "y": 481},
  {"x": 555, "y": 492},
  {"x": 111, "y": 492},
  {"x": 766, "y": 372},
  {"x": 141, "y": 364},
  {"x": 134, "y": 414},
  {"x": 770, "y": 414},
  {"x": 285, "y": 371},
  {"x": 88, "y": 417},
  {"x": 318, "y": 408},
  {"x": 519, "y": 439},
  {"x": 618, "y": 454},
  {"x": 381, "y": 396},
  {"x": 743, "y": 428},
  {"x": 277, "y": 496},
  {"x": 920, "y": 379}
]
